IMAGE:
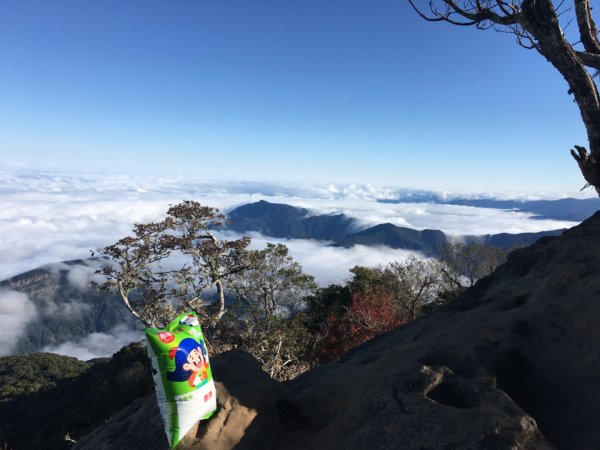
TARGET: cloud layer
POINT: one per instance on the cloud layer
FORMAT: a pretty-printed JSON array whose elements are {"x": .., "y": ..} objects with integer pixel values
[
  {"x": 97, "y": 345},
  {"x": 16, "y": 312},
  {"x": 48, "y": 217},
  {"x": 330, "y": 265}
]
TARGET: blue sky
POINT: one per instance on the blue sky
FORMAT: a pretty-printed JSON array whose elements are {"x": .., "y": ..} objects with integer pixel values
[{"x": 340, "y": 91}]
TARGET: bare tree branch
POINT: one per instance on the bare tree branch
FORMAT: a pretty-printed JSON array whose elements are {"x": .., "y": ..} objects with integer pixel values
[
  {"x": 588, "y": 166},
  {"x": 589, "y": 59},
  {"x": 473, "y": 13},
  {"x": 587, "y": 26},
  {"x": 125, "y": 298},
  {"x": 438, "y": 17}
]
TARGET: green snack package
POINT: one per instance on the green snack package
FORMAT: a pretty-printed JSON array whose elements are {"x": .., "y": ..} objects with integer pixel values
[{"x": 185, "y": 390}]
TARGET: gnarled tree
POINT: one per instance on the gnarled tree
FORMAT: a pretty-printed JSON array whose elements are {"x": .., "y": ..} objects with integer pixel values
[
  {"x": 539, "y": 25},
  {"x": 167, "y": 266},
  {"x": 461, "y": 265}
]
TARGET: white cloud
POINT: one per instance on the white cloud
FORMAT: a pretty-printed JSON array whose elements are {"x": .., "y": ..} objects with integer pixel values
[
  {"x": 97, "y": 345},
  {"x": 67, "y": 309},
  {"x": 16, "y": 312},
  {"x": 331, "y": 264},
  {"x": 48, "y": 217},
  {"x": 327, "y": 264},
  {"x": 81, "y": 275}
]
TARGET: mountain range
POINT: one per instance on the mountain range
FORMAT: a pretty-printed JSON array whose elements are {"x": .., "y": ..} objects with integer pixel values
[
  {"x": 289, "y": 222},
  {"x": 285, "y": 221},
  {"x": 571, "y": 209}
]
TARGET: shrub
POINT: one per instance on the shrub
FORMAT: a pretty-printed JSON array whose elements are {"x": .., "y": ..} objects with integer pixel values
[{"x": 370, "y": 314}]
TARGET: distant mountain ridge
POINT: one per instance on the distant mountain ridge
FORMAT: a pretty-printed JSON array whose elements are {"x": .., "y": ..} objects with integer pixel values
[
  {"x": 389, "y": 235},
  {"x": 284, "y": 221},
  {"x": 561, "y": 209},
  {"x": 65, "y": 311}
]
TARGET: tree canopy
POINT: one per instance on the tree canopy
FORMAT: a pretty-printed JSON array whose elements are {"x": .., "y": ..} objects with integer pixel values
[
  {"x": 166, "y": 266},
  {"x": 180, "y": 263}
]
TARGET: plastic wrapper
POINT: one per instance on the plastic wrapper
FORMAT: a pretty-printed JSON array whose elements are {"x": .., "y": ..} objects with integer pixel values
[{"x": 185, "y": 390}]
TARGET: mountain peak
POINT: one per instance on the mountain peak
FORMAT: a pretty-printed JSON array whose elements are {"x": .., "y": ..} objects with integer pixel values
[{"x": 285, "y": 221}]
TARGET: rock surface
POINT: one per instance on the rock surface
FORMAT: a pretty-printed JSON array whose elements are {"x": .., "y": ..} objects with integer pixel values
[
  {"x": 254, "y": 410},
  {"x": 514, "y": 363}
]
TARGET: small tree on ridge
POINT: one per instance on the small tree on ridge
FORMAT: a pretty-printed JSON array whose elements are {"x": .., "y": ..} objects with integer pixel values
[{"x": 168, "y": 265}]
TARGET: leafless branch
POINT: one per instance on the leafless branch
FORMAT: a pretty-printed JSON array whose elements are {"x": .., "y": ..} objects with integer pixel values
[
  {"x": 587, "y": 27},
  {"x": 589, "y": 59}
]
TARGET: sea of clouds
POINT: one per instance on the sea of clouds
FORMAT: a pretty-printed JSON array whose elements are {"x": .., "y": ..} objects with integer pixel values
[{"x": 48, "y": 217}]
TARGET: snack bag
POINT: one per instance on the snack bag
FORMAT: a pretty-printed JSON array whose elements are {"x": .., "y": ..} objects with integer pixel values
[{"x": 184, "y": 385}]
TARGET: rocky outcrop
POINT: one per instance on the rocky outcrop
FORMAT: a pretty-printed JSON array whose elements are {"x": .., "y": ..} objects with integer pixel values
[
  {"x": 254, "y": 411},
  {"x": 512, "y": 363},
  {"x": 420, "y": 407}
]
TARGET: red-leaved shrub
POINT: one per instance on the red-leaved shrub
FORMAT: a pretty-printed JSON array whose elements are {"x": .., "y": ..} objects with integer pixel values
[{"x": 370, "y": 314}]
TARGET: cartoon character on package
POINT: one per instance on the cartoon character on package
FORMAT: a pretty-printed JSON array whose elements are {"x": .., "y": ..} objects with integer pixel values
[{"x": 182, "y": 375}]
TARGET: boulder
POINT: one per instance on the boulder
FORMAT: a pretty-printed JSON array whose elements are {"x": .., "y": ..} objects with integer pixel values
[{"x": 253, "y": 411}]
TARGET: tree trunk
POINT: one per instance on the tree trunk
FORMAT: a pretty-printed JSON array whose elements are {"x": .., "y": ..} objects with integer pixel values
[
  {"x": 542, "y": 22},
  {"x": 221, "y": 294}
]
